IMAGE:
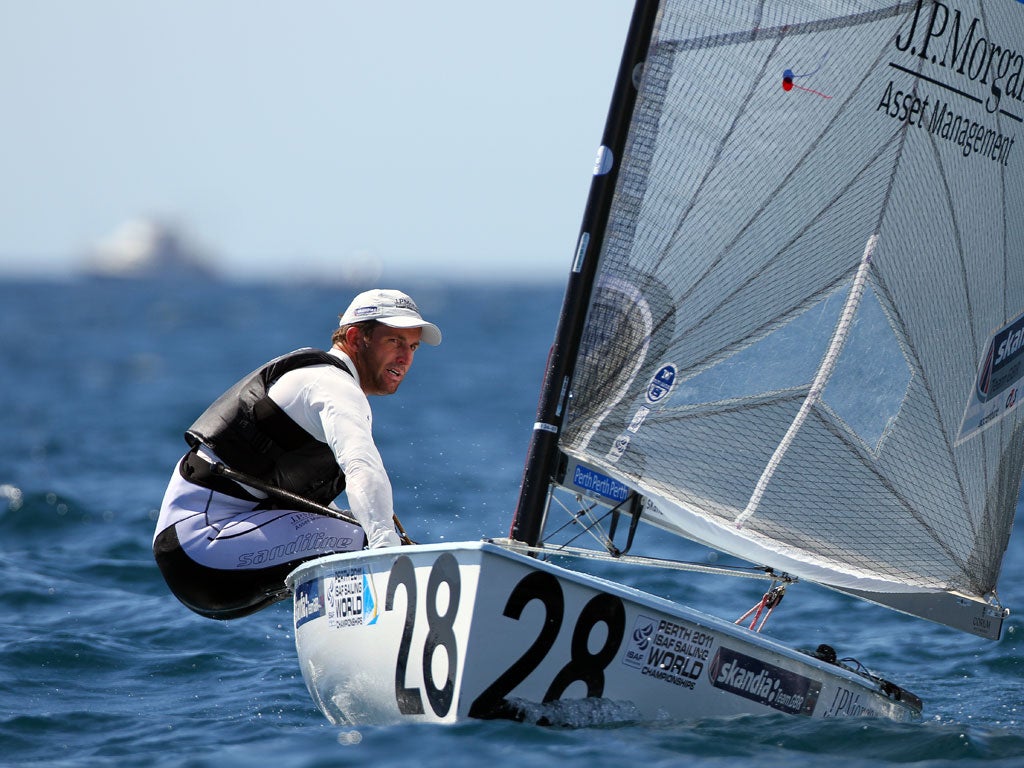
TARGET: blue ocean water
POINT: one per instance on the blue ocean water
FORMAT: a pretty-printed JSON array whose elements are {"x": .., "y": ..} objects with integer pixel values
[{"x": 99, "y": 665}]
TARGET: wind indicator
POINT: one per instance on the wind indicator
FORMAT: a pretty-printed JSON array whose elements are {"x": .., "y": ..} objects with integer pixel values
[{"x": 788, "y": 77}]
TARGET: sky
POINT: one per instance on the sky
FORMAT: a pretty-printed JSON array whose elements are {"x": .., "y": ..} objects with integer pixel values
[{"x": 306, "y": 138}]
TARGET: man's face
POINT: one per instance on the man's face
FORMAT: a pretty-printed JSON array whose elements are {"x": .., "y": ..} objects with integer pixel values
[{"x": 384, "y": 358}]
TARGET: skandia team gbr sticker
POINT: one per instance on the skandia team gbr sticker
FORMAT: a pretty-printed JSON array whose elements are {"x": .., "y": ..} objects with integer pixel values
[
  {"x": 660, "y": 386},
  {"x": 764, "y": 683},
  {"x": 1000, "y": 377}
]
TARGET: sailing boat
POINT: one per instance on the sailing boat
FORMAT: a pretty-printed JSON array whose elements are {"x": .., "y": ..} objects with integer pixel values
[{"x": 792, "y": 332}]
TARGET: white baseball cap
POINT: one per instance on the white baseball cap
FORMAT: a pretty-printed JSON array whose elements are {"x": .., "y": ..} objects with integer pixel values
[{"x": 393, "y": 308}]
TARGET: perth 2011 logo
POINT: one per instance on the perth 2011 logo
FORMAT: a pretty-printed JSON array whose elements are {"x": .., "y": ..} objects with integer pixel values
[{"x": 667, "y": 651}]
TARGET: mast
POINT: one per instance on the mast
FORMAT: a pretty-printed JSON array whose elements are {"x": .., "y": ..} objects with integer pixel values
[{"x": 542, "y": 455}]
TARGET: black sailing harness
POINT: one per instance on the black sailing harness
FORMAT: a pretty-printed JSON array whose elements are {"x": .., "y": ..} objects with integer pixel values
[{"x": 252, "y": 434}]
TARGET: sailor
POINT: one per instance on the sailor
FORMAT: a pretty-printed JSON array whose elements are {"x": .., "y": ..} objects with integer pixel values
[{"x": 301, "y": 424}]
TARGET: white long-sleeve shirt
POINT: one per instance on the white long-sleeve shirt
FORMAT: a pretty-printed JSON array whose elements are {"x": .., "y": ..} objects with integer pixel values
[{"x": 330, "y": 405}]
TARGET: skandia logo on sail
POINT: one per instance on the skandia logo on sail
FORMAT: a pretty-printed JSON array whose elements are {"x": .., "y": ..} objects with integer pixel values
[
  {"x": 999, "y": 381},
  {"x": 764, "y": 683},
  {"x": 1010, "y": 343},
  {"x": 942, "y": 35},
  {"x": 1004, "y": 362}
]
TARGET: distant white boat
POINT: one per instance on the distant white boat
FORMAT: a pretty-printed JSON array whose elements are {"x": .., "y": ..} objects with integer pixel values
[{"x": 147, "y": 248}]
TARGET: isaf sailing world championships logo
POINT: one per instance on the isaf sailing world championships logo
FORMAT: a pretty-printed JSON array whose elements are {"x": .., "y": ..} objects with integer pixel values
[
  {"x": 666, "y": 651},
  {"x": 661, "y": 384},
  {"x": 347, "y": 598}
]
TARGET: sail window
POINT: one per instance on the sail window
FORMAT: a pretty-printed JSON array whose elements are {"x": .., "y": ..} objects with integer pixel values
[
  {"x": 871, "y": 378},
  {"x": 865, "y": 391},
  {"x": 787, "y": 358}
]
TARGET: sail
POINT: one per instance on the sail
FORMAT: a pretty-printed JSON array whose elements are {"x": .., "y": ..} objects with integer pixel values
[{"x": 803, "y": 344}]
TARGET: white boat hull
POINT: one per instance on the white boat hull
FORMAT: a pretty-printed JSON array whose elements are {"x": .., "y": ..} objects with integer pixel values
[{"x": 446, "y": 633}]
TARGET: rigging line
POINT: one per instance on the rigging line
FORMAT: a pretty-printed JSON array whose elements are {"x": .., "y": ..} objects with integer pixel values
[
  {"x": 825, "y": 370},
  {"x": 763, "y": 573},
  {"x": 594, "y": 527},
  {"x": 575, "y": 519},
  {"x": 770, "y": 601}
]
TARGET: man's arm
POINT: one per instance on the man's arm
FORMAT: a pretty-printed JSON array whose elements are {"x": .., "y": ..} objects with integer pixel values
[{"x": 330, "y": 406}]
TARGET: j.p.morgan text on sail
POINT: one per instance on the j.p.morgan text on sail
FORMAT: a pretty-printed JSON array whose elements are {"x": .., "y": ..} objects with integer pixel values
[
  {"x": 943, "y": 37},
  {"x": 942, "y": 122}
]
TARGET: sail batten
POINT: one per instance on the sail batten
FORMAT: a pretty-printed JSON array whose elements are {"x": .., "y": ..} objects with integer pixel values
[{"x": 748, "y": 361}]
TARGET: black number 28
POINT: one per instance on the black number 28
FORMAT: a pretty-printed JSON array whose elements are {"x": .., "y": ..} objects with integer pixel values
[
  {"x": 440, "y": 634},
  {"x": 583, "y": 666}
]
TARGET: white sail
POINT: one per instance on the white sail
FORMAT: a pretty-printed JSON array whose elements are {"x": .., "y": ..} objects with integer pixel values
[{"x": 815, "y": 243}]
